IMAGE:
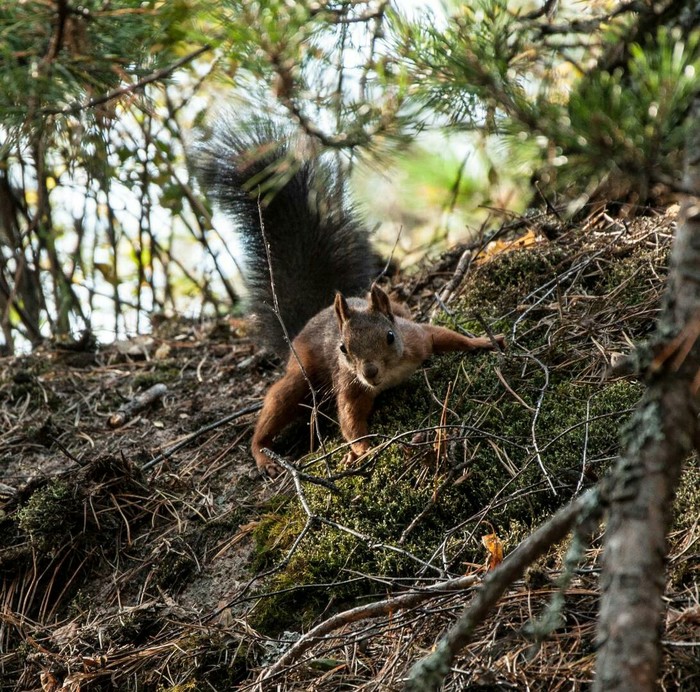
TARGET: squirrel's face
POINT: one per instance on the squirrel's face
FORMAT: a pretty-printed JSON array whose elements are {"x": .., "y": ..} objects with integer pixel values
[
  {"x": 370, "y": 345},
  {"x": 371, "y": 348}
]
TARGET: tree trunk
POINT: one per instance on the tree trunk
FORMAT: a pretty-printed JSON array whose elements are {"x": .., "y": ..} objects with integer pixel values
[{"x": 662, "y": 432}]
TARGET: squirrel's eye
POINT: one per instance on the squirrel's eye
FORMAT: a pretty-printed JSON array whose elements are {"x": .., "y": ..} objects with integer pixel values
[
  {"x": 343, "y": 349},
  {"x": 390, "y": 337}
]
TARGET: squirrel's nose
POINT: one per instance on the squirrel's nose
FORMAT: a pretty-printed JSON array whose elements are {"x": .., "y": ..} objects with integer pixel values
[{"x": 370, "y": 371}]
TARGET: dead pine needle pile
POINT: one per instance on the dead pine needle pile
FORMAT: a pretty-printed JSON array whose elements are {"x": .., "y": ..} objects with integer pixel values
[{"x": 140, "y": 550}]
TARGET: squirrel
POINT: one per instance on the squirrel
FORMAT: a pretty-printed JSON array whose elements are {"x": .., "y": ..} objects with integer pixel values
[{"x": 309, "y": 272}]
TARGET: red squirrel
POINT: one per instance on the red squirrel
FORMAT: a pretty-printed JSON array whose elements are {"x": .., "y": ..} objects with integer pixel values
[{"x": 293, "y": 216}]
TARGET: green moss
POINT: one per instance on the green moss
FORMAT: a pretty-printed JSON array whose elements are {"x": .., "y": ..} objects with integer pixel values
[
  {"x": 498, "y": 286},
  {"x": 503, "y": 487},
  {"x": 687, "y": 506},
  {"x": 465, "y": 454},
  {"x": 631, "y": 277},
  {"x": 382, "y": 504},
  {"x": 685, "y": 571},
  {"x": 273, "y": 535},
  {"x": 52, "y": 515}
]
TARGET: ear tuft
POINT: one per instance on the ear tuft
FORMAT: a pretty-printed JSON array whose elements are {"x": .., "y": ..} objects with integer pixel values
[
  {"x": 342, "y": 309},
  {"x": 379, "y": 302}
]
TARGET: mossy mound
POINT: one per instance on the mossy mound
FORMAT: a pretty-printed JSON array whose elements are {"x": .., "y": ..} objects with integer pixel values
[
  {"x": 144, "y": 557},
  {"x": 477, "y": 444}
]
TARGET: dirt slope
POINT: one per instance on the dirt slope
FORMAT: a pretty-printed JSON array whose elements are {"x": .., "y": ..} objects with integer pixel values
[{"x": 141, "y": 550}]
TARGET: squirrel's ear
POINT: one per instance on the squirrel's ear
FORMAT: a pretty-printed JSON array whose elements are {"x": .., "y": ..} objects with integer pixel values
[
  {"x": 342, "y": 309},
  {"x": 379, "y": 301}
]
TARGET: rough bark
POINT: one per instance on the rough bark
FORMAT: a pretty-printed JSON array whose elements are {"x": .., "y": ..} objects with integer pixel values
[
  {"x": 661, "y": 434},
  {"x": 639, "y": 492}
]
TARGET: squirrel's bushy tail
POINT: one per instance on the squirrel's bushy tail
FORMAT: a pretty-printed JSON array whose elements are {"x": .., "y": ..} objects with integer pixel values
[{"x": 317, "y": 244}]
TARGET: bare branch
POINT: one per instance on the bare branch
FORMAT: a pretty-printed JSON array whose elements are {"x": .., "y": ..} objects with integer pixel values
[
  {"x": 370, "y": 610},
  {"x": 128, "y": 88},
  {"x": 427, "y": 675}
]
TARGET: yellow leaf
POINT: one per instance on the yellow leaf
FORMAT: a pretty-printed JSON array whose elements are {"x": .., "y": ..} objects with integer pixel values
[
  {"x": 493, "y": 544},
  {"x": 496, "y": 247}
]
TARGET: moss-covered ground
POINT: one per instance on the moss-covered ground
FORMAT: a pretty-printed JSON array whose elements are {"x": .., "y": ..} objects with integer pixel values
[
  {"x": 130, "y": 563},
  {"x": 477, "y": 444}
]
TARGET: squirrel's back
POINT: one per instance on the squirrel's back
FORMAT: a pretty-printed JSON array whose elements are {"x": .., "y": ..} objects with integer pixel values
[{"x": 296, "y": 204}]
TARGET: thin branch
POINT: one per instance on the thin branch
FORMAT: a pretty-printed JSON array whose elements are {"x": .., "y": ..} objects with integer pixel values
[
  {"x": 197, "y": 433},
  {"x": 363, "y": 612},
  {"x": 428, "y": 674},
  {"x": 128, "y": 88}
]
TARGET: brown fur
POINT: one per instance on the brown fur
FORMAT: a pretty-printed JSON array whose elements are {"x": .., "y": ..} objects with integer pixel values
[{"x": 382, "y": 348}]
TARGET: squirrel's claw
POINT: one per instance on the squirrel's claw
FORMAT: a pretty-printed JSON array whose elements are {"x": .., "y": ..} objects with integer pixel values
[
  {"x": 267, "y": 466},
  {"x": 352, "y": 457},
  {"x": 349, "y": 459},
  {"x": 271, "y": 470}
]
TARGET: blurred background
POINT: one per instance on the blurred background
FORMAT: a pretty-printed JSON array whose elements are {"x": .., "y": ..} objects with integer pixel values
[{"x": 450, "y": 117}]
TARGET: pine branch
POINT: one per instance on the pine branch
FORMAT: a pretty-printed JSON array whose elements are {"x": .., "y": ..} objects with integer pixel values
[
  {"x": 428, "y": 674},
  {"x": 155, "y": 76}
]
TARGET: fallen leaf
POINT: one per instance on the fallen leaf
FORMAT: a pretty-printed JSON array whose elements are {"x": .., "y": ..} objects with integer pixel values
[
  {"x": 49, "y": 682},
  {"x": 497, "y": 247},
  {"x": 493, "y": 544}
]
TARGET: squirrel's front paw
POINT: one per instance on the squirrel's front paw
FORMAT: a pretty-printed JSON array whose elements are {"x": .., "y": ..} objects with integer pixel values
[
  {"x": 270, "y": 468},
  {"x": 349, "y": 459},
  {"x": 352, "y": 455},
  {"x": 266, "y": 465}
]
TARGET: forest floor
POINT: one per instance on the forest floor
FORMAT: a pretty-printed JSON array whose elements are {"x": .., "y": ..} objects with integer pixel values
[{"x": 139, "y": 548}]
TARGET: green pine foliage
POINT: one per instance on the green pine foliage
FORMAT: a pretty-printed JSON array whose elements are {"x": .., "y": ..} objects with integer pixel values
[
  {"x": 89, "y": 151},
  {"x": 59, "y": 56},
  {"x": 635, "y": 119},
  {"x": 612, "y": 132},
  {"x": 96, "y": 98}
]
